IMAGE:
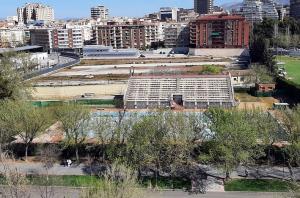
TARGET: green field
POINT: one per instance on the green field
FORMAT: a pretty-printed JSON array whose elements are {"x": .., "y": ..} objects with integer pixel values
[
  {"x": 292, "y": 66},
  {"x": 261, "y": 185}
]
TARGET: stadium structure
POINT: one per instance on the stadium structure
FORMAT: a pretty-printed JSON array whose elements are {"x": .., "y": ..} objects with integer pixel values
[{"x": 185, "y": 91}]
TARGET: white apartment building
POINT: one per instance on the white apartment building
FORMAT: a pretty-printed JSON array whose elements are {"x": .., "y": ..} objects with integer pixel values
[
  {"x": 255, "y": 10},
  {"x": 168, "y": 14},
  {"x": 35, "y": 12},
  {"x": 176, "y": 35},
  {"x": 99, "y": 12},
  {"x": 11, "y": 37},
  {"x": 58, "y": 39},
  {"x": 151, "y": 33}
]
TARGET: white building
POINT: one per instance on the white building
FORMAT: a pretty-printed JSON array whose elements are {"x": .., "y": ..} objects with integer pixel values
[
  {"x": 176, "y": 35},
  {"x": 168, "y": 14},
  {"x": 99, "y": 12},
  {"x": 11, "y": 37},
  {"x": 35, "y": 12},
  {"x": 255, "y": 11}
]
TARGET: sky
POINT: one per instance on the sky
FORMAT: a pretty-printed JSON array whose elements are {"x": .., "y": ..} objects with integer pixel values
[{"x": 81, "y": 8}]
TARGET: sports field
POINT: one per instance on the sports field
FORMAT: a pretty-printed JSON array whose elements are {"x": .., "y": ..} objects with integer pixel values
[{"x": 292, "y": 66}]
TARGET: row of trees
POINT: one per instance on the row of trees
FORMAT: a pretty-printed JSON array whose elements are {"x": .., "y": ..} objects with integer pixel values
[{"x": 163, "y": 141}]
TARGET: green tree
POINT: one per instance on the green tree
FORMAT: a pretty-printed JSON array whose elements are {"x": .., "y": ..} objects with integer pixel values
[
  {"x": 12, "y": 85},
  {"x": 291, "y": 124},
  {"x": 234, "y": 139},
  {"x": 24, "y": 120},
  {"x": 75, "y": 120}
]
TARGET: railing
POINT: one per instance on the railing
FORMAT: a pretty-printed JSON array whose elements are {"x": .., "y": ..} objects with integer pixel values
[{"x": 52, "y": 69}]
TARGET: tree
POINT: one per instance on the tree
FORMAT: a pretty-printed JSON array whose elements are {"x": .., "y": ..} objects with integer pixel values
[
  {"x": 12, "y": 85},
  {"x": 24, "y": 120},
  {"x": 49, "y": 155},
  {"x": 75, "y": 120},
  {"x": 6, "y": 134},
  {"x": 16, "y": 182},
  {"x": 261, "y": 74},
  {"x": 119, "y": 181},
  {"x": 291, "y": 124},
  {"x": 268, "y": 129},
  {"x": 234, "y": 139},
  {"x": 103, "y": 127}
]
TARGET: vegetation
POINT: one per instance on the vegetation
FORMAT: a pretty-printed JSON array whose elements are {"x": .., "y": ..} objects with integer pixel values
[
  {"x": 22, "y": 119},
  {"x": 12, "y": 85},
  {"x": 210, "y": 69},
  {"x": 235, "y": 139},
  {"x": 260, "y": 185},
  {"x": 75, "y": 120},
  {"x": 292, "y": 67},
  {"x": 118, "y": 181}
]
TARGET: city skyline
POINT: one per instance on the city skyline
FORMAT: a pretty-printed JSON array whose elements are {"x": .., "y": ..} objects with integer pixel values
[{"x": 81, "y": 9}]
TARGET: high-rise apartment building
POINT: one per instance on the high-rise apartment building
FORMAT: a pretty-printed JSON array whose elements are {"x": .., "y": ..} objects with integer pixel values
[
  {"x": 120, "y": 35},
  {"x": 256, "y": 10},
  {"x": 167, "y": 13},
  {"x": 203, "y": 6},
  {"x": 58, "y": 39},
  {"x": 99, "y": 12},
  {"x": 176, "y": 35},
  {"x": 219, "y": 31},
  {"x": 35, "y": 12},
  {"x": 295, "y": 9}
]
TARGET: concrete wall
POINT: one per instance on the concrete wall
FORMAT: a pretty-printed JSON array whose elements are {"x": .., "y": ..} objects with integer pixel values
[{"x": 219, "y": 52}]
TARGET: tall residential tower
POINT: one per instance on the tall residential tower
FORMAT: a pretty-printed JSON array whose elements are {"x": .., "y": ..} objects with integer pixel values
[
  {"x": 99, "y": 12},
  {"x": 35, "y": 12},
  {"x": 203, "y": 6}
]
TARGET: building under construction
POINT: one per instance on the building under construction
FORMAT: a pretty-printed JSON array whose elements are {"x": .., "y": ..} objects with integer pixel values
[{"x": 184, "y": 91}]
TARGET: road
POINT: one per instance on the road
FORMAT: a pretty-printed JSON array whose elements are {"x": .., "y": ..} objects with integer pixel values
[{"x": 59, "y": 192}]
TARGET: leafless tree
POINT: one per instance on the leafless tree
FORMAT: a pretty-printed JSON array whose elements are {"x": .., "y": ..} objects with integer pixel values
[{"x": 15, "y": 180}]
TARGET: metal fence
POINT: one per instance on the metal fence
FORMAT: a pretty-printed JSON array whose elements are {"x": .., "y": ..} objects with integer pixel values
[{"x": 51, "y": 69}]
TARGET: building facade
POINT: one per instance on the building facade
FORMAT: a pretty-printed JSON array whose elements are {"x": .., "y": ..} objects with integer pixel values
[
  {"x": 219, "y": 31},
  {"x": 99, "y": 12},
  {"x": 255, "y": 11},
  {"x": 58, "y": 39},
  {"x": 35, "y": 12},
  {"x": 168, "y": 14},
  {"x": 11, "y": 37},
  {"x": 176, "y": 35},
  {"x": 120, "y": 35},
  {"x": 203, "y": 6},
  {"x": 295, "y": 9}
]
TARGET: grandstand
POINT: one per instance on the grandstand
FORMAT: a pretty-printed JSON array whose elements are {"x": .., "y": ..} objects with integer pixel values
[{"x": 186, "y": 91}]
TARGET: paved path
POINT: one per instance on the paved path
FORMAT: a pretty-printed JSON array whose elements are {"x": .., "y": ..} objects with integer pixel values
[
  {"x": 58, "y": 192},
  {"x": 261, "y": 172}
]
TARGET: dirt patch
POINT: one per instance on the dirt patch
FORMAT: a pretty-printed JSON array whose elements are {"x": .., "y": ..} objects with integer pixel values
[{"x": 149, "y": 60}]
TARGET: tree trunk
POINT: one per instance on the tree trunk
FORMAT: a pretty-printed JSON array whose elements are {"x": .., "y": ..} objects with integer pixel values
[
  {"x": 291, "y": 171},
  {"x": 227, "y": 177},
  {"x": 77, "y": 155},
  {"x": 26, "y": 151}
]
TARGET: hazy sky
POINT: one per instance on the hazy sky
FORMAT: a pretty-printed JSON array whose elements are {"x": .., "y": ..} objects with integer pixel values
[{"x": 81, "y": 8}]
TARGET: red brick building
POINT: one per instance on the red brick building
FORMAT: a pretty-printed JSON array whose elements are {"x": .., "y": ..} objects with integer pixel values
[{"x": 219, "y": 31}]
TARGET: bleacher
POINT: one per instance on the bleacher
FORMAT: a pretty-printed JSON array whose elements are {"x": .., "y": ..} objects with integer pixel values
[{"x": 197, "y": 91}]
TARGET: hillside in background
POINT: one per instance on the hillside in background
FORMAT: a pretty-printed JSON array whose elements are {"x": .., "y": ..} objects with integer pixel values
[{"x": 238, "y": 4}]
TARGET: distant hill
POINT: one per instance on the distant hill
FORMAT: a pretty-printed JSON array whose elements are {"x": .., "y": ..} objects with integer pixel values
[{"x": 238, "y": 4}]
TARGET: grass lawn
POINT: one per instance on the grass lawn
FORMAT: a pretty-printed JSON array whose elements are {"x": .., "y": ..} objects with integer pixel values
[
  {"x": 292, "y": 66},
  {"x": 262, "y": 185},
  {"x": 86, "y": 181}
]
